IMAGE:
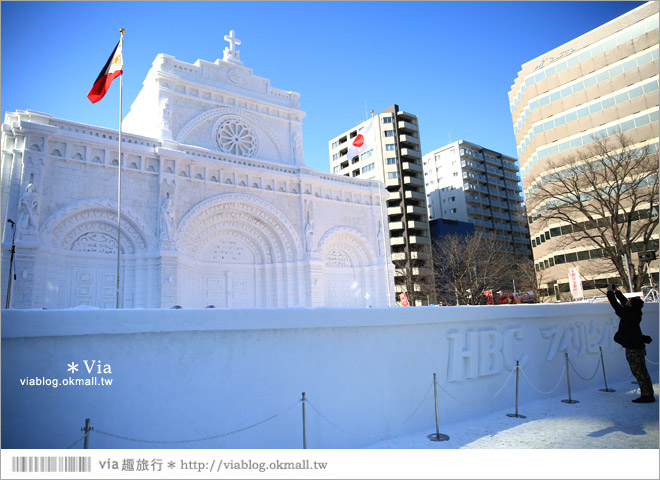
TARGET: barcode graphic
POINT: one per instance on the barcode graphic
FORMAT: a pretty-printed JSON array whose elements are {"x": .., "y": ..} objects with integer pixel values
[{"x": 51, "y": 464}]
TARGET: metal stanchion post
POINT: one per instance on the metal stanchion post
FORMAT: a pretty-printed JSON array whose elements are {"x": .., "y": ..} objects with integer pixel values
[
  {"x": 602, "y": 362},
  {"x": 304, "y": 421},
  {"x": 86, "y": 429},
  {"x": 437, "y": 436},
  {"x": 568, "y": 380},
  {"x": 516, "y": 415}
]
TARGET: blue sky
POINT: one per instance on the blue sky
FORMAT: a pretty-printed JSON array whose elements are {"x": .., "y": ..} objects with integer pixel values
[{"x": 450, "y": 63}]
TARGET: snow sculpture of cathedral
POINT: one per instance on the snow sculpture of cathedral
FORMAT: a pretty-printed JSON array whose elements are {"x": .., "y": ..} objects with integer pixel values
[{"x": 217, "y": 205}]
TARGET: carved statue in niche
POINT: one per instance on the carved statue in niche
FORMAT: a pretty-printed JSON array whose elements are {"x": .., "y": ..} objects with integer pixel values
[
  {"x": 297, "y": 150},
  {"x": 29, "y": 207},
  {"x": 309, "y": 232},
  {"x": 165, "y": 123},
  {"x": 381, "y": 245},
  {"x": 167, "y": 220}
]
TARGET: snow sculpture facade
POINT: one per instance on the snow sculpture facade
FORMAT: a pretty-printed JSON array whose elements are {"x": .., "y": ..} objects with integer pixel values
[{"x": 218, "y": 207}]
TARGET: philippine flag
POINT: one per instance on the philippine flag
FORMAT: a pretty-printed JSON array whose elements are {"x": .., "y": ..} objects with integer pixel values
[
  {"x": 113, "y": 68},
  {"x": 363, "y": 141}
]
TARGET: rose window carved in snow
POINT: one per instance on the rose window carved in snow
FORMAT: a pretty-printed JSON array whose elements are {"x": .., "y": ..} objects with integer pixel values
[{"x": 232, "y": 135}]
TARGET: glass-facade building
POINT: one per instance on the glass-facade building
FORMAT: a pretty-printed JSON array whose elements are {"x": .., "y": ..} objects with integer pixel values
[{"x": 598, "y": 85}]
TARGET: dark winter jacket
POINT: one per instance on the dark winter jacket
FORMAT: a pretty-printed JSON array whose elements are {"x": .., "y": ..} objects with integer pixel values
[{"x": 629, "y": 334}]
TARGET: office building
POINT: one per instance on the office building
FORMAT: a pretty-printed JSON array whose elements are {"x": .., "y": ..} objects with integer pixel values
[{"x": 598, "y": 85}]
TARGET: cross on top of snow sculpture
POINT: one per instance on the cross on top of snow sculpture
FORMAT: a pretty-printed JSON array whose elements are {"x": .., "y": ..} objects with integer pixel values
[{"x": 230, "y": 53}]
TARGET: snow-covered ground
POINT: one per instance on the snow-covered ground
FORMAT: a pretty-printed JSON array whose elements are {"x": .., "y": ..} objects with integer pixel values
[{"x": 601, "y": 420}]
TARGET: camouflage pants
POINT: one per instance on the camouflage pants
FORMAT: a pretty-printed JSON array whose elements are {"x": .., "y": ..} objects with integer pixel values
[{"x": 637, "y": 361}]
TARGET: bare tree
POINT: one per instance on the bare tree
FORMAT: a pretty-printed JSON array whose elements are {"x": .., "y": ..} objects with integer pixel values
[
  {"x": 416, "y": 282},
  {"x": 605, "y": 198},
  {"x": 530, "y": 280},
  {"x": 468, "y": 265}
]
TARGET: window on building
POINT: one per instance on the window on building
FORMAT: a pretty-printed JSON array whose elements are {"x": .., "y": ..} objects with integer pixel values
[
  {"x": 369, "y": 167},
  {"x": 390, "y": 147},
  {"x": 392, "y": 175},
  {"x": 389, "y": 133},
  {"x": 387, "y": 119},
  {"x": 391, "y": 161}
]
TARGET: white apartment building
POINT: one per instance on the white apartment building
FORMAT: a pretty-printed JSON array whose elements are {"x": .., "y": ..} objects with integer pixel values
[
  {"x": 469, "y": 183},
  {"x": 395, "y": 159}
]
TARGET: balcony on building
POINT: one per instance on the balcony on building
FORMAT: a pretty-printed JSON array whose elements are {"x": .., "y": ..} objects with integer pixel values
[
  {"x": 399, "y": 256},
  {"x": 475, "y": 177},
  {"x": 417, "y": 224},
  {"x": 415, "y": 210},
  {"x": 403, "y": 115},
  {"x": 495, "y": 181},
  {"x": 410, "y": 152},
  {"x": 409, "y": 180},
  {"x": 472, "y": 165},
  {"x": 415, "y": 195},
  {"x": 478, "y": 211},
  {"x": 420, "y": 255},
  {"x": 396, "y": 226},
  {"x": 486, "y": 224},
  {"x": 474, "y": 199},
  {"x": 393, "y": 211},
  {"x": 392, "y": 182},
  {"x": 394, "y": 196},
  {"x": 412, "y": 166},
  {"x": 502, "y": 215},
  {"x": 408, "y": 139},
  {"x": 498, "y": 172},
  {"x": 493, "y": 161},
  {"x": 405, "y": 126},
  {"x": 502, "y": 226},
  {"x": 419, "y": 240},
  {"x": 421, "y": 271}
]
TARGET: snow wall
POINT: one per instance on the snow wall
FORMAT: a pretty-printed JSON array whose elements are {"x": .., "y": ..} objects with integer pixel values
[{"x": 233, "y": 378}]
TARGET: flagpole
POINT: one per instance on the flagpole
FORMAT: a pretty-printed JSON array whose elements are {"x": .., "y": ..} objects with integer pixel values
[
  {"x": 382, "y": 221},
  {"x": 121, "y": 88}
]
